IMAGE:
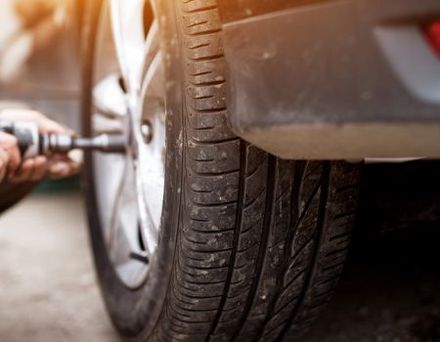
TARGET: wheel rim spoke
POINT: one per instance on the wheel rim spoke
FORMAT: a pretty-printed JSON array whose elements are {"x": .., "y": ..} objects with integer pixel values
[
  {"x": 109, "y": 98},
  {"x": 110, "y": 106},
  {"x": 152, "y": 89},
  {"x": 125, "y": 215},
  {"x": 151, "y": 47},
  {"x": 109, "y": 172},
  {"x": 128, "y": 30},
  {"x": 150, "y": 228},
  {"x": 108, "y": 126}
]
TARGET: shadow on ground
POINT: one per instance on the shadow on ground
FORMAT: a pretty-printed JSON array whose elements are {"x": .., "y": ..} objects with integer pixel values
[{"x": 390, "y": 289}]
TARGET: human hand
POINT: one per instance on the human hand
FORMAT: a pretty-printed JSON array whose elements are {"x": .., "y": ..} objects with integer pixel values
[
  {"x": 55, "y": 166},
  {"x": 9, "y": 155}
]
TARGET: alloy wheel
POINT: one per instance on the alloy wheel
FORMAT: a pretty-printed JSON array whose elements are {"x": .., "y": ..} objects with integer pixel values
[{"x": 128, "y": 97}]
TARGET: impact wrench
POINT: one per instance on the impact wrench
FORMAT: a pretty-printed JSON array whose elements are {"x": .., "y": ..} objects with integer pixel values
[{"x": 32, "y": 143}]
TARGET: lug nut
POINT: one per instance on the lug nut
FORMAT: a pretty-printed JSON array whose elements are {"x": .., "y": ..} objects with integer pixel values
[{"x": 147, "y": 131}]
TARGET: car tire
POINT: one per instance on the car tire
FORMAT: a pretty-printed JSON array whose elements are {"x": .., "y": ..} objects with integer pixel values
[{"x": 251, "y": 246}]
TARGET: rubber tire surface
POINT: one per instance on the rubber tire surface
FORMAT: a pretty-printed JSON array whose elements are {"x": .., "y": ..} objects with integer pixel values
[{"x": 251, "y": 246}]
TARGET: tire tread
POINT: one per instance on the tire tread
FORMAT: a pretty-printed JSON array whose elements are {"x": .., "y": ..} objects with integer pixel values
[{"x": 263, "y": 240}]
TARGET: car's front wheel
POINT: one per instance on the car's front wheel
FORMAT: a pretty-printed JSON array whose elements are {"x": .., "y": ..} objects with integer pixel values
[{"x": 198, "y": 235}]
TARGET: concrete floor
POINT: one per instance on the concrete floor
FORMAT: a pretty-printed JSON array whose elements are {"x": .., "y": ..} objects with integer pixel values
[
  {"x": 389, "y": 291},
  {"x": 47, "y": 284}
]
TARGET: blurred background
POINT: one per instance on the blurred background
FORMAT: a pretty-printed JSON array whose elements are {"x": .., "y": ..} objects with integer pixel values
[
  {"x": 390, "y": 290},
  {"x": 39, "y": 56}
]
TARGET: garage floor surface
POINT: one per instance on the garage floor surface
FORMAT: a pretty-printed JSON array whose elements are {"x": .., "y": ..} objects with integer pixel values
[
  {"x": 390, "y": 290},
  {"x": 47, "y": 283}
]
